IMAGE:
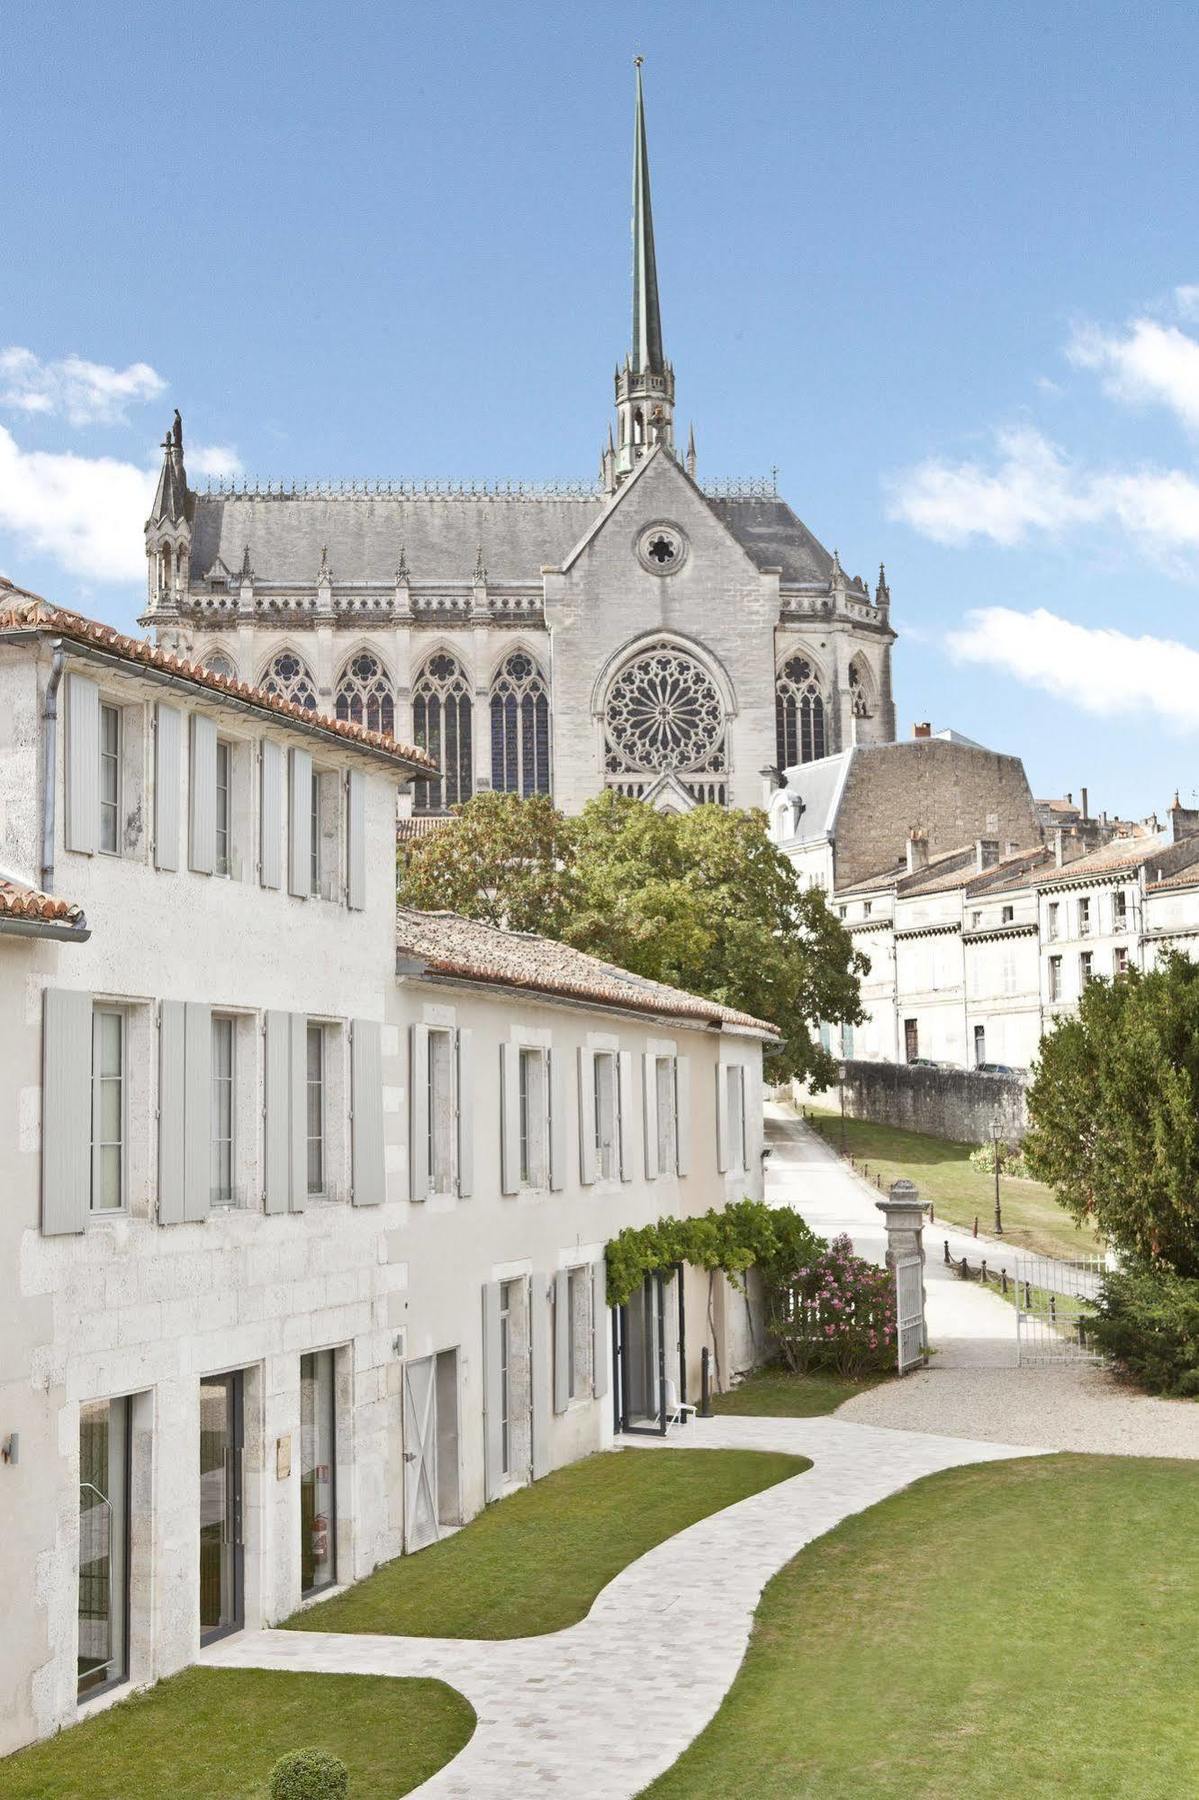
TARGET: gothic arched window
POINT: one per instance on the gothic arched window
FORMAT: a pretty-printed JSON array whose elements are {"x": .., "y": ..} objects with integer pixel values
[
  {"x": 288, "y": 677},
  {"x": 217, "y": 663},
  {"x": 520, "y": 728},
  {"x": 664, "y": 714},
  {"x": 364, "y": 695},
  {"x": 799, "y": 709},
  {"x": 441, "y": 710},
  {"x": 860, "y": 690}
]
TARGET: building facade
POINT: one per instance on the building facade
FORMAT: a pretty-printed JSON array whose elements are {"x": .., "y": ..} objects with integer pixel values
[
  {"x": 303, "y": 1228},
  {"x": 647, "y": 633}
]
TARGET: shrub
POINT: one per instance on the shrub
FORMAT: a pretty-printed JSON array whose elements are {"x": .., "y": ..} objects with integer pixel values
[
  {"x": 1011, "y": 1160},
  {"x": 836, "y": 1312},
  {"x": 1147, "y": 1320},
  {"x": 309, "y": 1775}
]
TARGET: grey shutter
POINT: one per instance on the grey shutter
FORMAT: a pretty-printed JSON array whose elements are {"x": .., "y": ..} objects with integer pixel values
[
  {"x": 562, "y": 1330},
  {"x": 297, "y": 1088},
  {"x": 201, "y": 811},
  {"x": 168, "y": 723},
  {"x": 356, "y": 840},
  {"x": 465, "y": 1122},
  {"x": 539, "y": 1353},
  {"x": 743, "y": 1146},
  {"x": 197, "y": 1110},
  {"x": 299, "y": 824},
  {"x": 270, "y": 818},
  {"x": 722, "y": 1119},
  {"x": 366, "y": 1119},
  {"x": 509, "y": 1119},
  {"x": 586, "y": 1116},
  {"x": 557, "y": 1086},
  {"x": 493, "y": 1439},
  {"x": 277, "y": 1098},
  {"x": 649, "y": 1085},
  {"x": 624, "y": 1112},
  {"x": 66, "y": 1110},
  {"x": 172, "y": 1146},
  {"x": 682, "y": 1114},
  {"x": 82, "y": 822},
  {"x": 599, "y": 1328},
  {"x": 418, "y": 1138}
]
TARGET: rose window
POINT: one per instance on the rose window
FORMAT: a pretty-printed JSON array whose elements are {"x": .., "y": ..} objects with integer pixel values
[
  {"x": 662, "y": 549},
  {"x": 664, "y": 712},
  {"x": 290, "y": 679}
]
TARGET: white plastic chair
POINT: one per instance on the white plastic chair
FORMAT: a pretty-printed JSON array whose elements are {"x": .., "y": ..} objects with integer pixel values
[{"x": 676, "y": 1408}]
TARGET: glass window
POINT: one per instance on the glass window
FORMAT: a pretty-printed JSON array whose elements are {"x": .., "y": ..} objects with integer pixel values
[
  {"x": 108, "y": 1110},
  {"x": 223, "y": 813},
  {"x": 604, "y": 1068},
  {"x": 1007, "y": 915},
  {"x": 1084, "y": 917},
  {"x": 103, "y": 1654},
  {"x": 1085, "y": 965},
  {"x": 222, "y": 1111},
  {"x": 442, "y": 705},
  {"x": 520, "y": 729},
  {"x": 318, "y": 1518},
  {"x": 110, "y": 779},
  {"x": 1119, "y": 908},
  {"x": 1055, "y": 977},
  {"x": 1120, "y": 959},
  {"x": 316, "y": 1109},
  {"x": 534, "y": 1121},
  {"x": 1051, "y": 919},
  {"x": 668, "y": 1154},
  {"x": 315, "y": 833}
]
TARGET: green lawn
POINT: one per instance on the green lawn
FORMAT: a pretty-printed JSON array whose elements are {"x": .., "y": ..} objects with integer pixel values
[
  {"x": 535, "y": 1561},
  {"x": 775, "y": 1393},
  {"x": 213, "y": 1734},
  {"x": 1032, "y": 1218},
  {"x": 1012, "y": 1628}
]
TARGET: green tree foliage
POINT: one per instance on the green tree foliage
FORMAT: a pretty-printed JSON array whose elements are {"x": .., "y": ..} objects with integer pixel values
[
  {"x": 1113, "y": 1111},
  {"x": 701, "y": 900}
]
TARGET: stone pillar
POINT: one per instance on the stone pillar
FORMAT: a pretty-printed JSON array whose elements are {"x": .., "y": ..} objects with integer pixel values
[{"x": 903, "y": 1212}]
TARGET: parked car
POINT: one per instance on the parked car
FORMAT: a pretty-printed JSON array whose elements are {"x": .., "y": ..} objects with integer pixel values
[{"x": 996, "y": 1069}]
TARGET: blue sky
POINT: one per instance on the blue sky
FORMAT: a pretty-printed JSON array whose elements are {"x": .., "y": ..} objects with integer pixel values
[{"x": 938, "y": 263}]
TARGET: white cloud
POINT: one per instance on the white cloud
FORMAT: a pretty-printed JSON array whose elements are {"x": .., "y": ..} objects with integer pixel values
[
  {"x": 1146, "y": 364},
  {"x": 87, "y": 513},
  {"x": 1092, "y": 667},
  {"x": 1186, "y": 299},
  {"x": 82, "y": 392},
  {"x": 212, "y": 459}
]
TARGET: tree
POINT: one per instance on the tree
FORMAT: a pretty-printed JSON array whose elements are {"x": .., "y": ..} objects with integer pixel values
[
  {"x": 1113, "y": 1116},
  {"x": 700, "y": 900}
]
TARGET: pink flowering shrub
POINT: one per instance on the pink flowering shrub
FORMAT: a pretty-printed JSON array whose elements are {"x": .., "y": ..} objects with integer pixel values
[{"x": 837, "y": 1311}]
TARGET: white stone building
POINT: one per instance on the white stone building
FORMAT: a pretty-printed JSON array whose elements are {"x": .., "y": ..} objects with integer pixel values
[{"x": 302, "y": 1244}]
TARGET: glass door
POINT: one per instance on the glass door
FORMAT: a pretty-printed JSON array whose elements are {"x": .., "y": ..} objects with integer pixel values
[
  {"x": 318, "y": 1516},
  {"x": 103, "y": 1545},
  {"x": 221, "y": 1481}
]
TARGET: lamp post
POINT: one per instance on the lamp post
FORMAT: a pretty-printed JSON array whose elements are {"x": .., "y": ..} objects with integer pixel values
[{"x": 995, "y": 1151}]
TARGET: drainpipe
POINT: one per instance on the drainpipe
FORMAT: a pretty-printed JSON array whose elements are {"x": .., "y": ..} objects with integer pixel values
[{"x": 49, "y": 764}]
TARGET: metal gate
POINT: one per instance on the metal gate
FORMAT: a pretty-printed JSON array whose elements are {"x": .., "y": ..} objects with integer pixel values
[
  {"x": 909, "y": 1312},
  {"x": 1052, "y": 1300}
]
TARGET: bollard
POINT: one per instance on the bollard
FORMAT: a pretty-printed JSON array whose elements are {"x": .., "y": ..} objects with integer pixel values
[
  {"x": 932, "y": 1213},
  {"x": 947, "y": 1253},
  {"x": 983, "y": 1273},
  {"x": 1003, "y": 1280},
  {"x": 1028, "y": 1296},
  {"x": 1053, "y": 1309},
  {"x": 965, "y": 1270},
  {"x": 975, "y": 1225},
  {"x": 705, "y": 1383}
]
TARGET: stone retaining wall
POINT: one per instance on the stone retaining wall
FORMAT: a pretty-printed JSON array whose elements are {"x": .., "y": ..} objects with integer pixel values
[{"x": 949, "y": 1103}]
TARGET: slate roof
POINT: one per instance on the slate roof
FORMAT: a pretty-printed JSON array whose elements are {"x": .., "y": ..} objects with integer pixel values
[
  {"x": 773, "y": 538},
  {"x": 468, "y": 948},
  {"x": 22, "y": 612}
]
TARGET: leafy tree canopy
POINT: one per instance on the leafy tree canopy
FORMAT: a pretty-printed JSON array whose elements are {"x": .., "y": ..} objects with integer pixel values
[
  {"x": 1113, "y": 1116},
  {"x": 700, "y": 900}
]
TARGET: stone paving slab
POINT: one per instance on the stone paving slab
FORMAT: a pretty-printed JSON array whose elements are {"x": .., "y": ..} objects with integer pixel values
[{"x": 600, "y": 1709}]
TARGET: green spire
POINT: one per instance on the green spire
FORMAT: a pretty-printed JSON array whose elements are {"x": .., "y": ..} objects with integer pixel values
[{"x": 647, "y": 321}]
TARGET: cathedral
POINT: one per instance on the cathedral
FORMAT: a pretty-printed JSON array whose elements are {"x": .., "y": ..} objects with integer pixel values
[{"x": 673, "y": 640}]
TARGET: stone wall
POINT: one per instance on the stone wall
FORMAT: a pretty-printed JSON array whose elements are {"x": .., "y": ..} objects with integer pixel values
[{"x": 949, "y": 1103}]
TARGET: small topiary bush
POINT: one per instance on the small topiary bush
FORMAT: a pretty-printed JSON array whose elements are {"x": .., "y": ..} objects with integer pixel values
[
  {"x": 310, "y": 1775},
  {"x": 1011, "y": 1160},
  {"x": 835, "y": 1312},
  {"x": 1147, "y": 1320}
]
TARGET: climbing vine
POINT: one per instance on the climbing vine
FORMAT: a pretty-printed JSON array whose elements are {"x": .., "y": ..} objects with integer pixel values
[{"x": 742, "y": 1234}]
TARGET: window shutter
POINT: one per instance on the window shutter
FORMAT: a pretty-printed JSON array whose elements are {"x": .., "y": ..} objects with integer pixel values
[
  {"x": 197, "y": 1110},
  {"x": 599, "y": 1328},
  {"x": 82, "y": 823},
  {"x": 168, "y": 721},
  {"x": 356, "y": 840},
  {"x": 649, "y": 1083},
  {"x": 201, "y": 836},
  {"x": 587, "y": 1169},
  {"x": 624, "y": 1113},
  {"x": 299, "y": 825},
  {"x": 418, "y": 1086},
  {"x": 509, "y": 1119},
  {"x": 722, "y": 1120},
  {"x": 562, "y": 1329},
  {"x": 682, "y": 1114},
  {"x": 172, "y": 1149},
  {"x": 270, "y": 818},
  {"x": 743, "y": 1146},
  {"x": 277, "y": 1103},
  {"x": 466, "y": 1114},
  {"x": 539, "y": 1352},
  {"x": 66, "y": 1110},
  {"x": 557, "y": 1097},
  {"x": 366, "y": 1112},
  {"x": 493, "y": 1440},
  {"x": 297, "y": 1192}
]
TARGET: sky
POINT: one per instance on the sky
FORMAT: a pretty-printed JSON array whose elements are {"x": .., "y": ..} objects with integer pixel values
[{"x": 936, "y": 263}]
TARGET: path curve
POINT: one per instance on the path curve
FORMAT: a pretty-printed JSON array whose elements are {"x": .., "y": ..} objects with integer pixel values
[{"x": 603, "y": 1707}]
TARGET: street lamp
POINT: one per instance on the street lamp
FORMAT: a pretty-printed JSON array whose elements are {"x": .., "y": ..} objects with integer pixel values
[{"x": 995, "y": 1151}]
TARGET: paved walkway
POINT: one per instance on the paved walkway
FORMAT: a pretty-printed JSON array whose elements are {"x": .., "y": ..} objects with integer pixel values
[{"x": 597, "y": 1711}]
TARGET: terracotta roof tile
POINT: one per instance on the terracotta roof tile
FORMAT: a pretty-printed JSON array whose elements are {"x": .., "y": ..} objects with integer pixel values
[
  {"x": 450, "y": 945},
  {"x": 1121, "y": 853},
  {"x": 22, "y": 611},
  {"x": 17, "y": 901},
  {"x": 411, "y": 830}
]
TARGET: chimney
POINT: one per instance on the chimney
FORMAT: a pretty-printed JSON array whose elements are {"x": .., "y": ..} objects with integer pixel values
[
  {"x": 986, "y": 853},
  {"x": 917, "y": 850},
  {"x": 922, "y": 730},
  {"x": 1084, "y": 805},
  {"x": 1067, "y": 846}
]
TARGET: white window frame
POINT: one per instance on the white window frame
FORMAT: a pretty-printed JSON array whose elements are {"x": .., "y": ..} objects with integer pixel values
[
  {"x": 223, "y": 1194},
  {"x": 441, "y": 1108},
  {"x": 1055, "y": 978},
  {"x": 506, "y": 1288},
  {"x": 606, "y": 1086},
  {"x": 95, "y": 1210},
  {"x": 1084, "y": 915},
  {"x": 533, "y": 1102},
  {"x": 665, "y": 1090},
  {"x": 222, "y": 863},
  {"x": 1051, "y": 919},
  {"x": 109, "y": 710},
  {"x": 1086, "y": 968},
  {"x": 315, "y": 1029},
  {"x": 314, "y": 827}
]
